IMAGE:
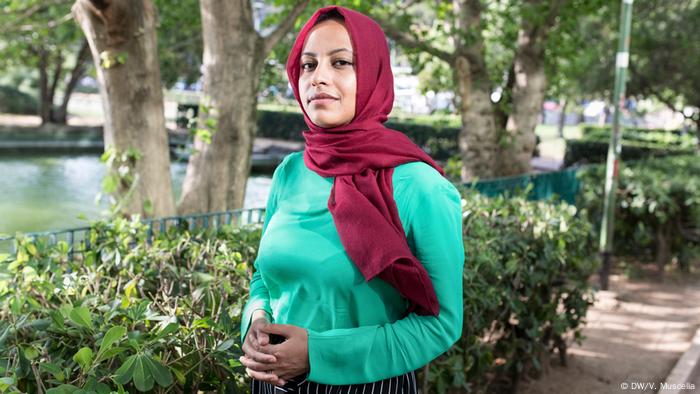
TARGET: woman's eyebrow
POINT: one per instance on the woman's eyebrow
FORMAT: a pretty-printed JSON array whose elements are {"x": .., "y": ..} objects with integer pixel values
[{"x": 331, "y": 52}]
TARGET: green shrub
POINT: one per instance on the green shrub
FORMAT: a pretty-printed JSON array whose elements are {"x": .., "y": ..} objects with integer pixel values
[
  {"x": 586, "y": 151},
  {"x": 440, "y": 140},
  {"x": 13, "y": 101},
  {"x": 657, "y": 209},
  {"x": 127, "y": 315},
  {"x": 525, "y": 289},
  {"x": 673, "y": 138}
]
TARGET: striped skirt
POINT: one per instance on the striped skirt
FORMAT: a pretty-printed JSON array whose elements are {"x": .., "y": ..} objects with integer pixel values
[{"x": 405, "y": 383}]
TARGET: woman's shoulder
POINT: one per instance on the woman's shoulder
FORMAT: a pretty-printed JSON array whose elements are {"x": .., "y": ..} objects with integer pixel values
[
  {"x": 420, "y": 174},
  {"x": 419, "y": 182},
  {"x": 288, "y": 164}
]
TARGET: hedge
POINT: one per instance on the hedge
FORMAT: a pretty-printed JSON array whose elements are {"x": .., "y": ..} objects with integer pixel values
[
  {"x": 657, "y": 211},
  {"x": 133, "y": 316},
  {"x": 438, "y": 140},
  {"x": 675, "y": 138},
  {"x": 13, "y": 101},
  {"x": 591, "y": 151}
]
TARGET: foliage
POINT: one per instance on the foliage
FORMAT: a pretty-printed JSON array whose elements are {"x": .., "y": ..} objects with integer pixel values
[
  {"x": 525, "y": 290},
  {"x": 662, "y": 64},
  {"x": 657, "y": 136},
  {"x": 133, "y": 313},
  {"x": 179, "y": 41},
  {"x": 14, "y": 101},
  {"x": 128, "y": 313},
  {"x": 39, "y": 35},
  {"x": 437, "y": 139},
  {"x": 595, "y": 149},
  {"x": 657, "y": 208}
]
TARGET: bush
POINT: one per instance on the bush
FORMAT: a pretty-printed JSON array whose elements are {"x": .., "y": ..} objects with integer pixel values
[
  {"x": 13, "y": 101},
  {"x": 439, "y": 140},
  {"x": 127, "y": 315},
  {"x": 657, "y": 209},
  {"x": 586, "y": 151},
  {"x": 525, "y": 289},
  {"x": 673, "y": 138}
]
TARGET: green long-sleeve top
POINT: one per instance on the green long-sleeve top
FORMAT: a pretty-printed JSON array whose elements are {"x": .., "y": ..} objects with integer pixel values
[{"x": 358, "y": 330}]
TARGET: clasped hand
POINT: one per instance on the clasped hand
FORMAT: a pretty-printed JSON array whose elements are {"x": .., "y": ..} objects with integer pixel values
[{"x": 275, "y": 363}]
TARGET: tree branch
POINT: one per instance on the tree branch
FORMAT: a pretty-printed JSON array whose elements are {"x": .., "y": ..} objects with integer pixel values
[
  {"x": 409, "y": 40},
  {"x": 271, "y": 40}
]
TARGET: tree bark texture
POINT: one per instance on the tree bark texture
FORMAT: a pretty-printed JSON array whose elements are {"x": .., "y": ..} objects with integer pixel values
[
  {"x": 61, "y": 114},
  {"x": 45, "y": 101},
  {"x": 478, "y": 140},
  {"x": 234, "y": 55},
  {"x": 122, "y": 39},
  {"x": 529, "y": 87}
]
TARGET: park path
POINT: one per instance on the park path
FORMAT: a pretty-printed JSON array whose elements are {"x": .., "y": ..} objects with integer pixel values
[{"x": 636, "y": 332}]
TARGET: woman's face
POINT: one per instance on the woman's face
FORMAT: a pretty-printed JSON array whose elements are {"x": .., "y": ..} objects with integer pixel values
[{"x": 327, "y": 83}]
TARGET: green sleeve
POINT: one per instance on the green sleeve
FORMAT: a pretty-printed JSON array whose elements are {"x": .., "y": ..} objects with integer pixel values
[
  {"x": 371, "y": 353},
  {"x": 259, "y": 295}
]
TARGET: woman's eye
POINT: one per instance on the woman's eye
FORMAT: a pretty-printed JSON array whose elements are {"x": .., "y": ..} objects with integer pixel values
[
  {"x": 307, "y": 66},
  {"x": 342, "y": 63}
]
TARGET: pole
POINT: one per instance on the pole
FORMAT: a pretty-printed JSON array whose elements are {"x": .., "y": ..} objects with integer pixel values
[{"x": 613, "y": 163}]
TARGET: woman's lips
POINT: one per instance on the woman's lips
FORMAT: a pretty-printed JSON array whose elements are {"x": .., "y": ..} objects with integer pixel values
[{"x": 322, "y": 101}]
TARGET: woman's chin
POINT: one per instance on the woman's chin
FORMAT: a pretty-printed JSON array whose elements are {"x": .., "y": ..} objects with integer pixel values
[{"x": 326, "y": 123}]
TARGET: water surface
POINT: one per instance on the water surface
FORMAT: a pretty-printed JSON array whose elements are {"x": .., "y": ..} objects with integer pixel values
[{"x": 49, "y": 192}]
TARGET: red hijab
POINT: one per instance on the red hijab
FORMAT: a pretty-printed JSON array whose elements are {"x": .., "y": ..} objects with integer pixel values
[{"x": 361, "y": 155}]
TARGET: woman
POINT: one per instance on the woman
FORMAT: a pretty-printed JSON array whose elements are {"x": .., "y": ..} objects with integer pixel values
[{"x": 360, "y": 263}]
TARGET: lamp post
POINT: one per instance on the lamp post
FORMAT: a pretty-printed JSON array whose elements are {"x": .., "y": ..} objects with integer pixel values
[{"x": 613, "y": 163}]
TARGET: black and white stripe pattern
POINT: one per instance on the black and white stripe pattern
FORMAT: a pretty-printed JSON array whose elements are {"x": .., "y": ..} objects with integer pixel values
[{"x": 405, "y": 383}]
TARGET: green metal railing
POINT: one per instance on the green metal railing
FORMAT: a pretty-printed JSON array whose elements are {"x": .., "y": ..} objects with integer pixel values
[
  {"x": 78, "y": 239},
  {"x": 564, "y": 184}
]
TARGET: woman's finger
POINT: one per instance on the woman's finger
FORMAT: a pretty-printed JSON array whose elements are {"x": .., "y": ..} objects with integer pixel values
[
  {"x": 261, "y": 356},
  {"x": 249, "y": 362},
  {"x": 263, "y": 338},
  {"x": 266, "y": 376},
  {"x": 279, "y": 329}
]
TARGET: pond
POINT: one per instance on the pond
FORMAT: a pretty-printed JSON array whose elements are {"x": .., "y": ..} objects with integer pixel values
[{"x": 51, "y": 192}]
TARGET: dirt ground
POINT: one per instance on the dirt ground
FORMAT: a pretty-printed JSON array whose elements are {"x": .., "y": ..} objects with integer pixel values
[{"x": 636, "y": 332}]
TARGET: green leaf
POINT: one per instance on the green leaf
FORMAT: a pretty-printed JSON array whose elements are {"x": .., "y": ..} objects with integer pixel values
[
  {"x": 57, "y": 319},
  {"x": 81, "y": 316},
  {"x": 124, "y": 374},
  {"x": 84, "y": 358},
  {"x": 113, "y": 335},
  {"x": 53, "y": 369},
  {"x": 169, "y": 329},
  {"x": 160, "y": 373},
  {"x": 109, "y": 353},
  {"x": 225, "y": 345},
  {"x": 63, "y": 389},
  {"x": 143, "y": 379},
  {"x": 181, "y": 379}
]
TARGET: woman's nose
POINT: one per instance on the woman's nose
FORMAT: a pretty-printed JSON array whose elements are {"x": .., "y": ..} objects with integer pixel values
[{"x": 320, "y": 75}]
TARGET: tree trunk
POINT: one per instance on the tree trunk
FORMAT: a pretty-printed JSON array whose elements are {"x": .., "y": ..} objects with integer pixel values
[
  {"x": 663, "y": 248},
  {"x": 61, "y": 114},
  {"x": 122, "y": 39},
  {"x": 217, "y": 172},
  {"x": 478, "y": 140},
  {"x": 697, "y": 129},
  {"x": 528, "y": 94},
  {"x": 57, "y": 71},
  {"x": 44, "y": 102},
  {"x": 529, "y": 85},
  {"x": 234, "y": 55},
  {"x": 563, "y": 103}
]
